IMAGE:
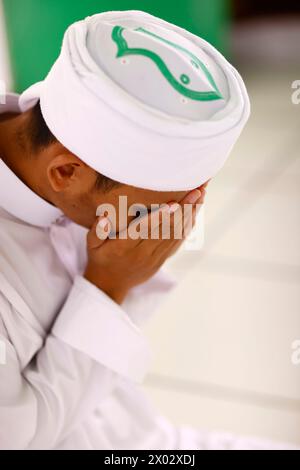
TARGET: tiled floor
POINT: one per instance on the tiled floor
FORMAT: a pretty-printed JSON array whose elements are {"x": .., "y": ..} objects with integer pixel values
[{"x": 223, "y": 341}]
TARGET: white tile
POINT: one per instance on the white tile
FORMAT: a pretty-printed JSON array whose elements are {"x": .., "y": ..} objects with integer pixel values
[
  {"x": 294, "y": 168},
  {"x": 274, "y": 123},
  {"x": 230, "y": 330},
  {"x": 233, "y": 320},
  {"x": 211, "y": 415},
  {"x": 263, "y": 225},
  {"x": 270, "y": 92},
  {"x": 260, "y": 149},
  {"x": 240, "y": 195}
]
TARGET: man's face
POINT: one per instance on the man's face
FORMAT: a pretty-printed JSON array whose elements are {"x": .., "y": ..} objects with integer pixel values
[
  {"x": 74, "y": 191},
  {"x": 135, "y": 198}
]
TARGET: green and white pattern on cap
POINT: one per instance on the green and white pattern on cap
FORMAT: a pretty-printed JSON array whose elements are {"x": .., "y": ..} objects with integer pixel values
[
  {"x": 142, "y": 101},
  {"x": 159, "y": 67}
]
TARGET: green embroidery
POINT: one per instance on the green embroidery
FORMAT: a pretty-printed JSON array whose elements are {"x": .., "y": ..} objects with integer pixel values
[
  {"x": 185, "y": 79},
  {"x": 124, "y": 50}
]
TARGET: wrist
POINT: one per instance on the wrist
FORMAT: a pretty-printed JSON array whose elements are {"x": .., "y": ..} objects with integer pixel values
[{"x": 117, "y": 294}]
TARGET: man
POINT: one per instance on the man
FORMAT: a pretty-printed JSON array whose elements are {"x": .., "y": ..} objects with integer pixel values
[{"x": 133, "y": 107}]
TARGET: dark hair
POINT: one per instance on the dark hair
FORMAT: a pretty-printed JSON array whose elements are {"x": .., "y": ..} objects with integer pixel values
[
  {"x": 41, "y": 137},
  {"x": 39, "y": 134}
]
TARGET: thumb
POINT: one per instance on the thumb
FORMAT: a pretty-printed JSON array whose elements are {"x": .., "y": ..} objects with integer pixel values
[{"x": 99, "y": 233}]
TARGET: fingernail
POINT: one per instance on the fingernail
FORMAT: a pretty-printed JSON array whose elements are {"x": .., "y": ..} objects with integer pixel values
[
  {"x": 193, "y": 197},
  {"x": 173, "y": 207},
  {"x": 199, "y": 207},
  {"x": 103, "y": 223},
  {"x": 102, "y": 226}
]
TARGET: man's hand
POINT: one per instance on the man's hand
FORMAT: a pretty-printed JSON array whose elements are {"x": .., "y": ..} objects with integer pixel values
[{"x": 115, "y": 266}]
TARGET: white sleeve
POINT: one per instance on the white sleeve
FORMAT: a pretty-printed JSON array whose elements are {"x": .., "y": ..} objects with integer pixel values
[
  {"x": 143, "y": 300},
  {"x": 193, "y": 439},
  {"x": 92, "y": 344}
]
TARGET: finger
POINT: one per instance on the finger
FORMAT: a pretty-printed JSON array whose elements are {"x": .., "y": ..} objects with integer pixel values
[
  {"x": 149, "y": 226},
  {"x": 165, "y": 230},
  {"x": 204, "y": 186},
  {"x": 181, "y": 214},
  {"x": 192, "y": 197},
  {"x": 190, "y": 225},
  {"x": 182, "y": 227},
  {"x": 98, "y": 233},
  {"x": 167, "y": 249},
  {"x": 192, "y": 201},
  {"x": 172, "y": 249},
  {"x": 203, "y": 190},
  {"x": 185, "y": 223},
  {"x": 203, "y": 196},
  {"x": 171, "y": 228},
  {"x": 196, "y": 211},
  {"x": 184, "y": 219}
]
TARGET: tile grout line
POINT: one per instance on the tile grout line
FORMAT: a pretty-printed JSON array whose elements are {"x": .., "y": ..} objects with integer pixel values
[
  {"x": 258, "y": 180},
  {"x": 220, "y": 392},
  {"x": 247, "y": 267}
]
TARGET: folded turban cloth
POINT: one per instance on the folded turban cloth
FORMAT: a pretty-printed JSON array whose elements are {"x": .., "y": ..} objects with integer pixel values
[{"x": 142, "y": 101}]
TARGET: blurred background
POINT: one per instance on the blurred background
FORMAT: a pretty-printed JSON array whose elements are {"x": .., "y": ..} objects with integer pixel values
[{"x": 223, "y": 340}]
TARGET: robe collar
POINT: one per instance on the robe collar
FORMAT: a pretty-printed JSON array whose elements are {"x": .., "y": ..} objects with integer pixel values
[{"x": 18, "y": 199}]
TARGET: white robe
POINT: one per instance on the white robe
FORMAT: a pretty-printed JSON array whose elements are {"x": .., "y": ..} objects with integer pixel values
[{"x": 73, "y": 358}]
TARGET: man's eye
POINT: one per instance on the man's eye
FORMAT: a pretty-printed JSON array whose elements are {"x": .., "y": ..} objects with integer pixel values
[{"x": 141, "y": 211}]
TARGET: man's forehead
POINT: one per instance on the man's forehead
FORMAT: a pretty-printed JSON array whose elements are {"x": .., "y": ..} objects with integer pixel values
[
  {"x": 174, "y": 196},
  {"x": 156, "y": 197}
]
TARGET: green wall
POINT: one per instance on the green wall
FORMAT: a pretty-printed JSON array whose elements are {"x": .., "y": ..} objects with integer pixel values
[{"x": 35, "y": 27}]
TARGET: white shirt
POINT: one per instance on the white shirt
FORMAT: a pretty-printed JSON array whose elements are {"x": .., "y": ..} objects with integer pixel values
[{"x": 74, "y": 358}]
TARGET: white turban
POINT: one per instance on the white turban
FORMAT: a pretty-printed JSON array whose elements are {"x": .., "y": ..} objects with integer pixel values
[{"x": 142, "y": 101}]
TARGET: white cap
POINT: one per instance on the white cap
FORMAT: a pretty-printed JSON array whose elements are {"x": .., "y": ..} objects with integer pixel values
[{"x": 142, "y": 101}]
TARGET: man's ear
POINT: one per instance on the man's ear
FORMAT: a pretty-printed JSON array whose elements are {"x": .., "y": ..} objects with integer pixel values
[{"x": 63, "y": 171}]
